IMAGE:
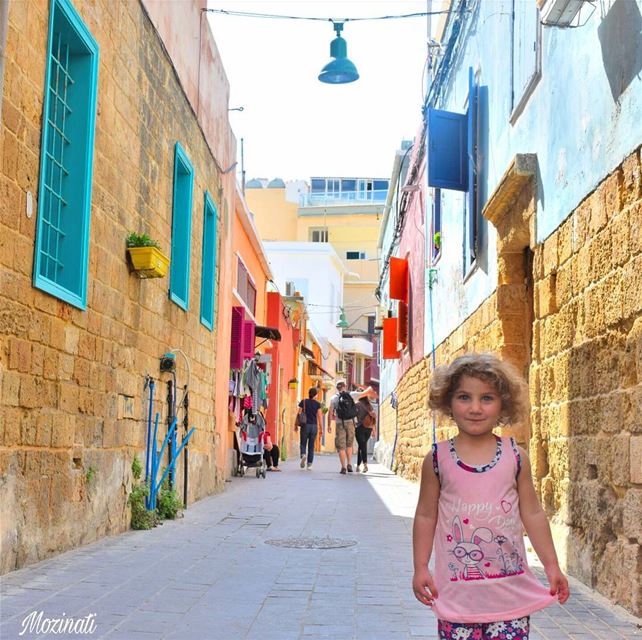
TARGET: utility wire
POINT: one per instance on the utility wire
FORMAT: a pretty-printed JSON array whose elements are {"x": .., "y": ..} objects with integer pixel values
[{"x": 250, "y": 14}]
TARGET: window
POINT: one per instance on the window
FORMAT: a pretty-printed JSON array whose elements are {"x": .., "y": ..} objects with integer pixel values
[
  {"x": 364, "y": 189},
  {"x": 245, "y": 287},
  {"x": 380, "y": 190},
  {"x": 181, "y": 228},
  {"x": 355, "y": 255},
  {"x": 371, "y": 324},
  {"x": 455, "y": 161},
  {"x": 526, "y": 62},
  {"x": 66, "y": 161},
  {"x": 208, "y": 273},
  {"x": 318, "y": 235},
  {"x": 348, "y": 185}
]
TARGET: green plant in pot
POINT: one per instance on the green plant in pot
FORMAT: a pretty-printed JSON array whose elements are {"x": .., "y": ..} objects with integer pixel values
[{"x": 146, "y": 257}]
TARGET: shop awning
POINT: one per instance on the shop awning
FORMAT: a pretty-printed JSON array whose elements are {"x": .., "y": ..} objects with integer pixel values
[
  {"x": 268, "y": 333},
  {"x": 307, "y": 353}
]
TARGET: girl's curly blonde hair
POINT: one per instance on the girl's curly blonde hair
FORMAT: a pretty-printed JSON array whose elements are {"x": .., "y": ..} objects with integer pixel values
[{"x": 510, "y": 385}]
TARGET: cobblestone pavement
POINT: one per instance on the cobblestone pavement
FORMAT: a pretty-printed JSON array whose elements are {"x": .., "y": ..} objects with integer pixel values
[{"x": 211, "y": 575}]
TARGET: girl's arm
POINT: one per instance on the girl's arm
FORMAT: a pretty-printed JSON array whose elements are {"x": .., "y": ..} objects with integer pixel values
[
  {"x": 319, "y": 418},
  {"x": 538, "y": 530},
  {"x": 423, "y": 533}
]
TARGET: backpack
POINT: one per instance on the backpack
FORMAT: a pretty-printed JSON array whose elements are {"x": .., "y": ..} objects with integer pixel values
[{"x": 346, "y": 407}]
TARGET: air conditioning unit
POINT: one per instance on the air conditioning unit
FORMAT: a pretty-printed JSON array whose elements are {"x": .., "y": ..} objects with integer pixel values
[
  {"x": 381, "y": 313},
  {"x": 559, "y": 13},
  {"x": 340, "y": 367},
  {"x": 290, "y": 288}
]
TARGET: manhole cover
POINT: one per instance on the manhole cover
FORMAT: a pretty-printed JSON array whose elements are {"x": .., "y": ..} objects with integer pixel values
[{"x": 312, "y": 543}]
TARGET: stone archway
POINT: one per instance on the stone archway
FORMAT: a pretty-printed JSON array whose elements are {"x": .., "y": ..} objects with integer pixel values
[{"x": 511, "y": 210}]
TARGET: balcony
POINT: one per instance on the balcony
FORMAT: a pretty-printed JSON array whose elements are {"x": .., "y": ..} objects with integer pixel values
[
  {"x": 359, "y": 346},
  {"x": 341, "y": 199}
]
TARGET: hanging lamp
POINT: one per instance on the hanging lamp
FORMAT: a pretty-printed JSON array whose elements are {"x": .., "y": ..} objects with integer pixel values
[
  {"x": 343, "y": 323},
  {"x": 340, "y": 70}
]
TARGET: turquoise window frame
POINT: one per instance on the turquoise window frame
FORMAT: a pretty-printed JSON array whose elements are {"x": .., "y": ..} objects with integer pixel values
[
  {"x": 208, "y": 273},
  {"x": 181, "y": 228},
  {"x": 61, "y": 252}
]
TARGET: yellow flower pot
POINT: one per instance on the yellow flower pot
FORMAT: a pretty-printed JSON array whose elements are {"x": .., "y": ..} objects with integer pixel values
[{"x": 148, "y": 262}]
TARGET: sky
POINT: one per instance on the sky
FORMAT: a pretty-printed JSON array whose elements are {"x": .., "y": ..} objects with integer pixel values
[{"x": 293, "y": 126}]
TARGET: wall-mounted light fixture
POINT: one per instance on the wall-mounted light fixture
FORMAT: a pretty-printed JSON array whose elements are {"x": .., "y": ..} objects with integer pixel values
[{"x": 340, "y": 70}]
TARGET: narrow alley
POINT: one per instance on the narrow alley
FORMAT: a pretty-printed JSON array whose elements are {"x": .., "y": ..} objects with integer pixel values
[{"x": 243, "y": 564}]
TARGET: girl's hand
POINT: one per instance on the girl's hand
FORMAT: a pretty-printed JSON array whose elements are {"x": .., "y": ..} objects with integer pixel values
[
  {"x": 423, "y": 587},
  {"x": 559, "y": 584}
]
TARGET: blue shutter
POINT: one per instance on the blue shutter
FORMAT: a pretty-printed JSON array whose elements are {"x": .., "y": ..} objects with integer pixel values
[
  {"x": 447, "y": 157},
  {"x": 181, "y": 228},
  {"x": 471, "y": 118},
  {"x": 208, "y": 273},
  {"x": 66, "y": 157}
]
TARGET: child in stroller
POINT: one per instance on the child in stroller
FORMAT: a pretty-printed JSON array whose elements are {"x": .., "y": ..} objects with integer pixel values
[{"x": 251, "y": 442}]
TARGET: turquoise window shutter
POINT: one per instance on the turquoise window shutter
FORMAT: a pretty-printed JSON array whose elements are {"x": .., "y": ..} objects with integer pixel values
[
  {"x": 208, "y": 274},
  {"x": 61, "y": 255},
  {"x": 181, "y": 228}
]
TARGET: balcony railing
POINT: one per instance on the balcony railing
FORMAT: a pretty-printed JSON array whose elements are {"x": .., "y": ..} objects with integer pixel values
[{"x": 344, "y": 198}]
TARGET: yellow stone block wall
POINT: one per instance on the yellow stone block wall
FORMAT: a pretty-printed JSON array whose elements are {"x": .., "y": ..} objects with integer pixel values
[
  {"x": 586, "y": 385},
  {"x": 585, "y": 382},
  {"x": 71, "y": 381}
]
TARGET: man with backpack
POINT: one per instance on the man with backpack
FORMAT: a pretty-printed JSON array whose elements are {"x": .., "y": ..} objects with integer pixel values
[{"x": 343, "y": 410}]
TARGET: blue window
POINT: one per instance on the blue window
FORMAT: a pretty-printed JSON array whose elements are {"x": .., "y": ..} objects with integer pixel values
[
  {"x": 208, "y": 275},
  {"x": 181, "y": 228},
  {"x": 66, "y": 158}
]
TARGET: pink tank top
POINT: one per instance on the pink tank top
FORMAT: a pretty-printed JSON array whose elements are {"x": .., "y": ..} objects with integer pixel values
[{"x": 480, "y": 561}]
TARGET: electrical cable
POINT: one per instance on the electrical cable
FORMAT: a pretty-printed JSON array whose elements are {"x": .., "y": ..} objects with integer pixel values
[{"x": 272, "y": 16}]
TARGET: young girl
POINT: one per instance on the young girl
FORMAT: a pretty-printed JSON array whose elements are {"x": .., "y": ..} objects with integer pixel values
[{"x": 476, "y": 494}]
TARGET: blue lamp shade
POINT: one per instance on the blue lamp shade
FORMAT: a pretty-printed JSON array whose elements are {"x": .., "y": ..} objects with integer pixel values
[{"x": 340, "y": 70}]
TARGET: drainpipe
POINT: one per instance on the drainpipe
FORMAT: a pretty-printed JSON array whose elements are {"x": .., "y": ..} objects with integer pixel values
[
  {"x": 4, "y": 27},
  {"x": 185, "y": 454},
  {"x": 171, "y": 412}
]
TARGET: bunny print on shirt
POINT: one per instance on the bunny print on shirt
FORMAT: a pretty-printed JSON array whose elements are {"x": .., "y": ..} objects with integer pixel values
[{"x": 477, "y": 559}]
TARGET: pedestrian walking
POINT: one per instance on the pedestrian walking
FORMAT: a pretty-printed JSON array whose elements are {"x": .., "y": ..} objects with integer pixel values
[
  {"x": 343, "y": 411},
  {"x": 271, "y": 453},
  {"x": 309, "y": 414},
  {"x": 366, "y": 421},
  {"x": 476, "y": 496}
]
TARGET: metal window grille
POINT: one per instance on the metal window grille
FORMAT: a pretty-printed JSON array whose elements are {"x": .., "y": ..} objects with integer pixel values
[{"x": 55, "y": 171}]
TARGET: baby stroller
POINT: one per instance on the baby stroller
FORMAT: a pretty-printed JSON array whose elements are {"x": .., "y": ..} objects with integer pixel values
[{"x": 251, "y": 438}]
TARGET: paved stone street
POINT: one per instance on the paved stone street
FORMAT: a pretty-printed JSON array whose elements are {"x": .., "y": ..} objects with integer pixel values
[{"x": 211, "y": 575}]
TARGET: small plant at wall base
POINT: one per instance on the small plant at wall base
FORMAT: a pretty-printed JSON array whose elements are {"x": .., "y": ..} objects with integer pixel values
[
  {"x": 168, "y": 502},
  {"x": 146, "y": 257},
  {"x": 141, "y": 517}
]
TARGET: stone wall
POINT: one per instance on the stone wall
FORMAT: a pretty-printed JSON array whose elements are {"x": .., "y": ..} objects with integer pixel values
[
  {"x": 584, "y": 365},
  {"x": 73, "y": 407},
  {"x": 586, "y": 385}
]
